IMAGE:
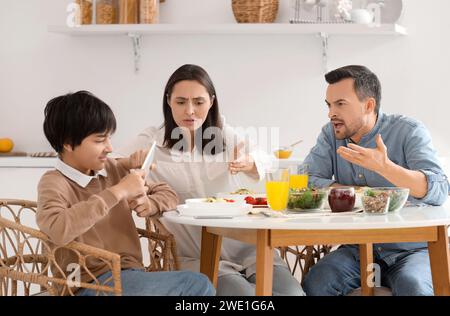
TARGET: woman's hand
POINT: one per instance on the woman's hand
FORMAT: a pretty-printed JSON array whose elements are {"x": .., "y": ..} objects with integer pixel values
[{"x": 242, "y": 162}]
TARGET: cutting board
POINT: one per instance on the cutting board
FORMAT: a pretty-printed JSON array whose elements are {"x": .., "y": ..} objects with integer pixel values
[{"x": 14, "y": 154}]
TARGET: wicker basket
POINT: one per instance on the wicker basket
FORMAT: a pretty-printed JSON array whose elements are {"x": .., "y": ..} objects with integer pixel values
[{"x": 255, "y": 11}]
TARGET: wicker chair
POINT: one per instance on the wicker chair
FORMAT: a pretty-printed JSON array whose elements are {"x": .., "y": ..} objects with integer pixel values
[
  {"x": 304, "y": 257},
  {"x": 27, "y": 256}
]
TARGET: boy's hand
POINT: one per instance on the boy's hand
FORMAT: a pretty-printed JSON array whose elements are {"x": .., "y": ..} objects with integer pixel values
[
  {"x": 141, "y": 205},
  {"x": 136, "y": 160},
  {"x": 130, "y": 186}
]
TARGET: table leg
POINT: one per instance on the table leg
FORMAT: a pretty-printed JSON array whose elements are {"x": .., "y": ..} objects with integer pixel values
[
  {"x": 210, "y": 255},
  {"x": 366, "y": 259},
  {"x": 264, "y": 263},
  {"x": 439, "y": 261}
]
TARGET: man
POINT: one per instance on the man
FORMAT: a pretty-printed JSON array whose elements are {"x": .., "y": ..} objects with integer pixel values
[{"x": 362, "y": 146}]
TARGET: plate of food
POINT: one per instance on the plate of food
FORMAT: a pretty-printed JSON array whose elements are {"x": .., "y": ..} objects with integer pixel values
[
  {"x": 243, "y": 195},
  {"x": 212, "y": 203}
]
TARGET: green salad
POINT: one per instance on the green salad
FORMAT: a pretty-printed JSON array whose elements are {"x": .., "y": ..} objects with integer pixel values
[{"x": 306, "y": 199}]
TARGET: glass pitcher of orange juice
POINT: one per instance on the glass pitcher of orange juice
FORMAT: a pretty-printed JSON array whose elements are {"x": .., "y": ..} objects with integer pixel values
[
  {"x": 298, "y": 178},
  {"x": 277, "y": 189}
]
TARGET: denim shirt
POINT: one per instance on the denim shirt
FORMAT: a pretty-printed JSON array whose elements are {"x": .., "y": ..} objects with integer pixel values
[{"x": 408, "y": 145}]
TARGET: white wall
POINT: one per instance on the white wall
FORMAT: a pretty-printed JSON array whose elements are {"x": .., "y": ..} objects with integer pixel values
[{"x": 261, "y": 80}]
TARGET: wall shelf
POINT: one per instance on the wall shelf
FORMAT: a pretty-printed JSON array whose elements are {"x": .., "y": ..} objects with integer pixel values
[{"x": 137, "y": 31}]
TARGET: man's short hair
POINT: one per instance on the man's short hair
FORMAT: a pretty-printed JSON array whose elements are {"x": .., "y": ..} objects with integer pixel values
[
  {"x": 70, "y": 118},
  {"x": 366, "y": 85}
]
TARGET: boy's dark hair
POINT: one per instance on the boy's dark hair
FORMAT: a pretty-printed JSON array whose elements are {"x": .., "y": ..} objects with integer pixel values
[
  {"x": 72, "y": 117},
  {"x": 367, "y": 84}
]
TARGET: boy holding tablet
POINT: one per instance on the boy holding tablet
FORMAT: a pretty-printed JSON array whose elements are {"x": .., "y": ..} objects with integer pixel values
[{"x": 90, "y": 198}]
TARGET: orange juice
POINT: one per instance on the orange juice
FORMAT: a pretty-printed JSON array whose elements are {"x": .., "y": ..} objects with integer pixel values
[
  {"x": 298, "y": 181},
  {"x": 277, "y": 194}
]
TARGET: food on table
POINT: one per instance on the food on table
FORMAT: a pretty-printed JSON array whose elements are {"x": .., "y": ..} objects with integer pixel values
[
  {"x": 256, "y": 200},
  {"x": 306, "y": 199},
  {"x": 376, "y": 202},
  {"x": 397, "y": 196},
  {"x": 242, "y": 192},
  {"x": 218, "y": 200},
  {"x": 342, "y": 199}
]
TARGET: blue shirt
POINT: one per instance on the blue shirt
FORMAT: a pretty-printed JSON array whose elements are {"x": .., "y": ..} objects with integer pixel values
[{"x": 408, "y": 145}]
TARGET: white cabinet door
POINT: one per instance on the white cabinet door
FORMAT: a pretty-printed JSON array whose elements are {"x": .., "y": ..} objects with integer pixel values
[{"x": 20, "y": 183}]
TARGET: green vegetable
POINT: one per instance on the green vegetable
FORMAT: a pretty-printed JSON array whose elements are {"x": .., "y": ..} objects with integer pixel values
[{"x": 305, "y": 199}]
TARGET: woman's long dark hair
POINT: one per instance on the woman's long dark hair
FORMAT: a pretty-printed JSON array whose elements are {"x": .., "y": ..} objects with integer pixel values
[{"x": 192, "y": 73}]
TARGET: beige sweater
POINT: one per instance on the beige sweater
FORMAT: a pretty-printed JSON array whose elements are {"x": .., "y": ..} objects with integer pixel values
[{"x": 92, "y": 215}]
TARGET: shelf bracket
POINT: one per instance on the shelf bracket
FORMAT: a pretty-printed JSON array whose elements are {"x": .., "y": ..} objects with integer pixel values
[
  {"x": 324, "y": 38},
  {"x": 136, "y": 40}
]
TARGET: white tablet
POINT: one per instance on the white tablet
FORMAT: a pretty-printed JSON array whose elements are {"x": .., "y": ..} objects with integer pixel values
[{"x": 150, "y": 157}]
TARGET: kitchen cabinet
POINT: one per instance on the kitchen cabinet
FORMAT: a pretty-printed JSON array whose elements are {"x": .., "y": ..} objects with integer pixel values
[{"x": 20, "y": 176}]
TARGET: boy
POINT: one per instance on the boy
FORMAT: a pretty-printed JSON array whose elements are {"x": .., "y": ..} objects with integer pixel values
[{"x": 89, "y": 198}]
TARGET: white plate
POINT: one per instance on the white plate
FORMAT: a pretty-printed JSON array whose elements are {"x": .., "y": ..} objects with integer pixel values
[
  {"x": 242, "y": 210},
  {"x": 201, "y": 204}
]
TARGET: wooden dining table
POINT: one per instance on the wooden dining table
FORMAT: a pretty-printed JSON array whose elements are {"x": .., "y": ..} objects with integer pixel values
[{"x": 411, "y": 224}]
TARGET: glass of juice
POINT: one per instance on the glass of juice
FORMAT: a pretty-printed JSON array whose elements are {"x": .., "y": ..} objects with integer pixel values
[
  {"x": 277, "y": 189},
  {"x": 298, "y": 177}
]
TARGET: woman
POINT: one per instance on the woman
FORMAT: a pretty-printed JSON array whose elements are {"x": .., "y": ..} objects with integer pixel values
[{"x": 193, "y": 147}]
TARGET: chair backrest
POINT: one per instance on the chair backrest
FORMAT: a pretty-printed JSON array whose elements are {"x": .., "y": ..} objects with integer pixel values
[
  {"x": 28, "y": 259},
  {"x": 161, "y": 246},
  {"x": 19, "y": 252}
]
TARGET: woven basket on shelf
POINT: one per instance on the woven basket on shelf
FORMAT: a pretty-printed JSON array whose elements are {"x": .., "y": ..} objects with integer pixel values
[{"x": 255, "y": 11}]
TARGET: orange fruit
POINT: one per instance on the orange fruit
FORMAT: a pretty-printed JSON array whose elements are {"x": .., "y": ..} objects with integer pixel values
[{"x": 6, "y": 145}]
